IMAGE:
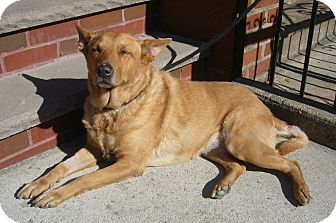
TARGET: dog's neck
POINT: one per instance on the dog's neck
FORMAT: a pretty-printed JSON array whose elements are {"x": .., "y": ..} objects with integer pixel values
[
  {"x": 121, "y": 96},
  {"x": 124, "y": 95}
]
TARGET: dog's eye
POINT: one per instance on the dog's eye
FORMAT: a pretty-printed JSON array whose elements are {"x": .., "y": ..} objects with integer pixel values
[
  {"x": 124, "y": 52},
  {"x": 96, "y": 49}
]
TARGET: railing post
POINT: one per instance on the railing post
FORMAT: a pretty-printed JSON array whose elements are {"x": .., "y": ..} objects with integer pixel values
[
  {"x": 308, "y": 47},
  {"x": 239, "y": 45},
  {"x": 274, "y": 56}
]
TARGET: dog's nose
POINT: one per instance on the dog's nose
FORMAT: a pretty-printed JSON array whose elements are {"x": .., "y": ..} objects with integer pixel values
[{"x": 104, "y": 70}]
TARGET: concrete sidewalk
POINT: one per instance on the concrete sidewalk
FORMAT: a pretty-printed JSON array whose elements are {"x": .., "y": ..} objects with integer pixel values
[{"x": 180, "y": 193}]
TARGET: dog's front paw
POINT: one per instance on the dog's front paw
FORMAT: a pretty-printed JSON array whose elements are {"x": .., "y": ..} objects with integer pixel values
[
  {"x": 220, "y": 191},
  {"x": 33, "y": 189},
  {"x": 49, "y": 199},
  {"x": 301, "y": 193}
]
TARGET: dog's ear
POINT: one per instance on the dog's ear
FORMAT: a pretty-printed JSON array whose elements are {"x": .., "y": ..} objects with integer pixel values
[
  {"x": 151, "y": 48},
  {"x": 85, "y": 37}
]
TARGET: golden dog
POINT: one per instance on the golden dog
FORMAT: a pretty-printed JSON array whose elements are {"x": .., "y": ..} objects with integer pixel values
[{"x": 143, "y": 117}]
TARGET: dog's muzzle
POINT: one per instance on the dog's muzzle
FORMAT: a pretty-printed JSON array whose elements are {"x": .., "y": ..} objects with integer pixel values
[{"x": 104, "y": 75}]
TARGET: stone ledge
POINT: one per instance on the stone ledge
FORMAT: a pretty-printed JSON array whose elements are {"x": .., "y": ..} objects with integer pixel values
[
  {"x": 317, "y": 120},
  {"x": 37, "y": 95},
  {"x": 30, "y": 13}
]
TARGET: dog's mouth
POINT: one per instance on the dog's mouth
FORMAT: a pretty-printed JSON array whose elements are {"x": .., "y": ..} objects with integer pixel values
[{"x": 103, "y": 83}]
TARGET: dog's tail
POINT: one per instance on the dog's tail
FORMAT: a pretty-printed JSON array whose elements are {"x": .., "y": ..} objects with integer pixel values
[{"x": 294, "y": 138}]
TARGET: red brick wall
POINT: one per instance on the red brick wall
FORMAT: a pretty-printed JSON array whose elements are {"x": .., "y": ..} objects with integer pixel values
[
  {"x": 260, "y": 30},
  {"x": 38, "y": 46},
  {"x": 40, "y": 138}
]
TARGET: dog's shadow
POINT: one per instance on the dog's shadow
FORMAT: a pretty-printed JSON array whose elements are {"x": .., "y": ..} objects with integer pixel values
[
  {"x": 60, "y": 96},
  {"x": 285, "y": 181}
]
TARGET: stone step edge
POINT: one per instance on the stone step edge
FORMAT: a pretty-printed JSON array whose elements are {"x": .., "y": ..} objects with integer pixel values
[{"x": 44, "y": 15}]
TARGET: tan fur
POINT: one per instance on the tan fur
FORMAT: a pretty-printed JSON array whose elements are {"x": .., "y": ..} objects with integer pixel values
[
  {"x": 295, "y": 139},
  {"x": 148, "y": 118}
]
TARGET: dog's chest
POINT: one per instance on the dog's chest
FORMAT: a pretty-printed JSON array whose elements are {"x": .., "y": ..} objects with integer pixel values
[{"x": 101, "y": 129}]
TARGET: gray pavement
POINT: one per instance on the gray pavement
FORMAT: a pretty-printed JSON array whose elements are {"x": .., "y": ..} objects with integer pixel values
[{"x": 180, "y": 193}]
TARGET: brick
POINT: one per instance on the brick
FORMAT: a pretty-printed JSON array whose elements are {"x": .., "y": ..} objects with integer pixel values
[
  {"x": 31, "y": 151},
  {"x": 176, "y": 73},
  {"x": 268, "y": 48},
  {"x": 30, "y": 56},
  {"x": 50, "y": 33},
  {"x": 272, "y": 15},
  {"x": 40, "y": 133},
  {"x": 102, "y": 20},
  {"x": 252, "y": 56},
  {"x": 12, "y": 42},
  {"x": 57, "y": 126},
  {"x": 68, "y": 46},
  {"x": 135, "y": 12},
  {"x": 260, "y": 68},
  {"x": 255, "y": 21},
  {"x": 256, "y": 51},
  {"x": 13, "y": 144},
  {"x": 265, "y": 3},
  {"x": 244, "y": 72},
  {"x": 41, "y": 147},
  {"x": 260, "y": 35},
  {"x": 186, "y": 72},
  {"x": 134, "y": 27}
]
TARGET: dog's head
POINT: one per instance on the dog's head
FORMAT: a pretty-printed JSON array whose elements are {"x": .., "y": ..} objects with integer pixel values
[{"x": 115, "y": 59}]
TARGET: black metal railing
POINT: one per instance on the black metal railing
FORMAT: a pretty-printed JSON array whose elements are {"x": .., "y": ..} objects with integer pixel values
[{"x": 275, "y": 54}]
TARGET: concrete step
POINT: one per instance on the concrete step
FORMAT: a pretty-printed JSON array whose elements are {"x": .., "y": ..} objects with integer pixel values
[
  {"x": 31, "y": 13},
  {"x": 37, "y": 95},
  {"x": 295, "y": 25}
]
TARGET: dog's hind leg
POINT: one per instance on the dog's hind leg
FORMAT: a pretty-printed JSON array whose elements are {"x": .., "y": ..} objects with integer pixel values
[
  {"x": 254, "y": 151},
  {"x": 233, "y": 168},
  {"x": 79, "y": 161}
]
